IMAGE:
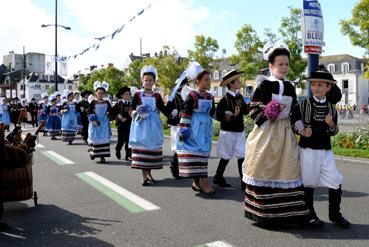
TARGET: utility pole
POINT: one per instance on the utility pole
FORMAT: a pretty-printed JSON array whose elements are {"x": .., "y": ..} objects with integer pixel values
[
  {"x": 56, "y": 46},
  {"x": 24, "y": 73}
]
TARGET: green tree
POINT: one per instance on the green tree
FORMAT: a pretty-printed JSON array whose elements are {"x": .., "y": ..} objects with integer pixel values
[
  {"x": 112, "y": 75},
  {"x": 204, "y": 52},
  {"x": 290, "y": 30},
  {"x": 248, "y": 45},
  {"x": 357, "y": 28}
]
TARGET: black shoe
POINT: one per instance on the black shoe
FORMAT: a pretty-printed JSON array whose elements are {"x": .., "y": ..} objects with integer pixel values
[
  {"x": 70, "y": 142},
  {"x": 210, "y": 193},
  {"x": 151, "y": 180},
  {"x": 196, "y": 189},
  {"x": 341, "y": 221},
  {"x": 220, "y": 181},
  {"x": 118, "y": 155},
  {"x": 102, "y": 160},
  {"x": 146, "y": 182},
  {"x": 315, "y": 222}
]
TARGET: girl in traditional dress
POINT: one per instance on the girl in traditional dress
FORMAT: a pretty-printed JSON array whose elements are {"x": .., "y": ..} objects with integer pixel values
[
  {"x": 274, "y": 192},
  {"x": 69, "y": 119},
  {"x": 99, "y": 131},
  {"x": 43, "y": 112},
  {"x": 146, "y": 136},
  {"x": 5, "y": 116},
  {"x": 195, "y": 133},
  {"x": 53, "y": 124}
]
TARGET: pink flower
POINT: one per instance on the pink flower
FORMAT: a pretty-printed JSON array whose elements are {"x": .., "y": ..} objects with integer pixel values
[{"x": 272, "y": 110}]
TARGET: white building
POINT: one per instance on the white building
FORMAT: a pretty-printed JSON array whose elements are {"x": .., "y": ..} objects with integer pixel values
[{"x": 348, "y": 71}]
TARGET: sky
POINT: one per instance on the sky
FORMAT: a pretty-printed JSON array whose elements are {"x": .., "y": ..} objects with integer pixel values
[{"x": 167, "y": 22}]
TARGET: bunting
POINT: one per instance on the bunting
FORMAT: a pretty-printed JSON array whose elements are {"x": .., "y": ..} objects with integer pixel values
[{"x": 99, "y": 40}]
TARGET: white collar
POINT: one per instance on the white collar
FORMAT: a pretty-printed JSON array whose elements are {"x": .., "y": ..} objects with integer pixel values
[
  {"x": 232, "y": 93},
  {"x": 320, "y": 100}
]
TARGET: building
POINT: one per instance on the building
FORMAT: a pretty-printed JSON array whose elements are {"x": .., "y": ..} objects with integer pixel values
[
  {"x": 348, "y": 71},
  {"x": 25, "y": 76}
]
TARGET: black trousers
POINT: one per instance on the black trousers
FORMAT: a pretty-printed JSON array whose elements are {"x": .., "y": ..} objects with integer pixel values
[
  {"x": 123, "y": 139},
  {"x": 34, "y": 119},
  {"x": 84, "y": 129}
]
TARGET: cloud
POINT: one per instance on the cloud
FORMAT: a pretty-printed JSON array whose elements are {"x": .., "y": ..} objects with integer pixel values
[{"x": 167, "y": 22}]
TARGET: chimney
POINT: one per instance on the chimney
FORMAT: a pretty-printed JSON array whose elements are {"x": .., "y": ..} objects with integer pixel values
[{"x": 110, "y": 65}]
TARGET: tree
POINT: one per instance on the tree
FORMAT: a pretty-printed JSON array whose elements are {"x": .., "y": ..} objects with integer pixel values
[
  {"x": 204, "y": 52},
  {"x": 113, "y": 76},
  {"x": 357, "y": 28},
  {"x": 248, "y": 45},
  {"x": 290, "y": 30}
]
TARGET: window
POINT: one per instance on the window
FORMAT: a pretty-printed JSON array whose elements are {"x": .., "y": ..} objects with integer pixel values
[
  {"x": 345, "y": 68},
  {"x": 216, "y": 75},
  {"x": 37, "y": 86},
  {"x": 46, "y": 87},
  {"x": 223, "y": 73},
  {"x": 249, "y": 90},
  {"x": 345, "y": 84},
  {"x": 331, "y": 68},
  {"x": 70, "y": 87},
  {"x": 362, "y": 67}
]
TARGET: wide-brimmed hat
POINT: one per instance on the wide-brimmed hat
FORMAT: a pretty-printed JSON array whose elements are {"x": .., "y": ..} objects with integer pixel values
[
  {"x": 122, "y": 91},
  {"x": 83, "y": 94},
  {"x": 321, "y": 76},
  {"x": 230, "y": 76}
]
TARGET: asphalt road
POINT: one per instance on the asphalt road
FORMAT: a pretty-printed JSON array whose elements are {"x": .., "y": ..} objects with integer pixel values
[{"x": 72, "y": 212}]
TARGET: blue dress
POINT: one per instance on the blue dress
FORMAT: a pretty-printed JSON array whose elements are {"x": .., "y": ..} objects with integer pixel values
[
  {"x": 53, "y": 124},
  {"x": 43, "y": 115},
  {"x": 69, "y": 122},
  {"x": 5, "y": 118},
  {"x": 193, "y": 152},
  {"x": 146, "y": 137},
  {"x": 99, "y": 135}
]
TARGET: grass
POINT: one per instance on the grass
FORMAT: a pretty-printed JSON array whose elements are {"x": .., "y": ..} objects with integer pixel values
[{"x": 351, "y": 152}]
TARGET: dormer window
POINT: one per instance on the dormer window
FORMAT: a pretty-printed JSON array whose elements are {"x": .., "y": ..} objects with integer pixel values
[
  {"x": 216, "y": 75},
  {"x": 345, "y": 68},
  {"x": 331, "y": 68}
]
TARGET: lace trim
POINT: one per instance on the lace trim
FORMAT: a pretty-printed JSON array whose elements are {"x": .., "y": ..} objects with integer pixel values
[{"x": 286, "y": 184}]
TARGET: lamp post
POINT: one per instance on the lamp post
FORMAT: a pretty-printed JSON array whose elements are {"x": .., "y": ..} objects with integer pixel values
[{"x": 56, "y": 42}]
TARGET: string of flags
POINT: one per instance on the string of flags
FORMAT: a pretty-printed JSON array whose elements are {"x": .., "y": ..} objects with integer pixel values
[{"x": 96, "y": 46}]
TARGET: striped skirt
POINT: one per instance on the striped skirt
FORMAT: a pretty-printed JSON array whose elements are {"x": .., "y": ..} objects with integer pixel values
[
  {"x": 99, "y": 150},
  {"x": 147, "y": 159},
  {"x": 68, "y": 136},
  {"x": 275, "y": 205},
  {"x": 192, "y": 165}
]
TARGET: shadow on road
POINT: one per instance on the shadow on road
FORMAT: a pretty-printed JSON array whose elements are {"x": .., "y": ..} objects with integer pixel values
[
  {"x": 321, "y": 194},
  {"x": 329, "y": 231},
  {"x": 49, "y": 225}
]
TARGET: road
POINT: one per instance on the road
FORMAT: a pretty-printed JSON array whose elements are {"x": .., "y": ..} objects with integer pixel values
[{"x": 83, "y": 203}]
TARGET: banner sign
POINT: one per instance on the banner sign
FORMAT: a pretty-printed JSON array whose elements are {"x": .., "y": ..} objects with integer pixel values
[{"x": 312, "y": 27}]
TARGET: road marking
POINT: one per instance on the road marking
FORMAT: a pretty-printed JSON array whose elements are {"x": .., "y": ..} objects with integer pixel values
[
  {"x": 125, "y": 198},
  {"x": 215, "y": 244},
  {"x": 60, "y": 160},
  {"x": 40, "y": 146}
]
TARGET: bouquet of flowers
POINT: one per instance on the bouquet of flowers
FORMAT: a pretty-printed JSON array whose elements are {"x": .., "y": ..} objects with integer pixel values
[
  {"x": 142, "y": 112},
  {"x": 272, "y": 110},
  {"x": 93, "y": 120}
]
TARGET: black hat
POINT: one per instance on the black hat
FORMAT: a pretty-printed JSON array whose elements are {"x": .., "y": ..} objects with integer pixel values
[
  {"x": 122, "y": 91},
  {"x": 230, "y": 76},
  {"x": 85, "y": 92},
  {"x": 321, "y": 76},
  {"x": 33, "y": 99},
  {"x": 16, "y": 98}
]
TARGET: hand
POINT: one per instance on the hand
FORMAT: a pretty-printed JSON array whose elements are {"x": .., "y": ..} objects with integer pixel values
[
  {"x": 174, "y": 113},
  {"x": 282, "y": 106},
  {"x": 306, "y": 132},
  {"x": 329, "y": 120},
  {"x": 237, "y": 111}
]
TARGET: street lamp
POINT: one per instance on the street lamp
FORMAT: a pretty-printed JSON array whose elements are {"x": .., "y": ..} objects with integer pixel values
[{"x": 56, "y": 42}]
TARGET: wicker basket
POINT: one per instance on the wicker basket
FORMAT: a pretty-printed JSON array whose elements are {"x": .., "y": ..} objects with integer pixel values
[{"x": 16, "y": 184}]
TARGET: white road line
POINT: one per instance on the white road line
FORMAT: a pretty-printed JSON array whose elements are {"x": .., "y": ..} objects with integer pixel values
[
  {"x": 62, "y": 159},
  {"x": 218, "y": 244},
  {"x": 40, "y": 146},
  {"x": 123, "y": 192}
]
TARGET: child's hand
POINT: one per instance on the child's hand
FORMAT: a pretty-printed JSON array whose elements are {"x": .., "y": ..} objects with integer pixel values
[
  {"x": 329, "y": 120},
  {"x": 306, "y": 132},
  {"x": 237, "y": 111}
]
